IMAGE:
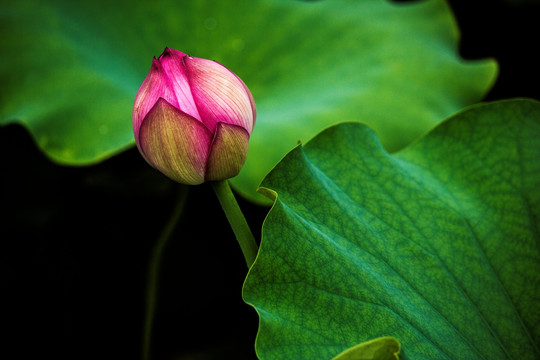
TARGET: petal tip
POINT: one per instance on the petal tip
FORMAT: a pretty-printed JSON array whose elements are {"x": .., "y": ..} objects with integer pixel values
[{"x": 168, "y": 53}]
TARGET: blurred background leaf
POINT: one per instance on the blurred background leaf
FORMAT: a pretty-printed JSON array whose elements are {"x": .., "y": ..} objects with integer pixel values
[
  {"x": 436, "y": 245},
  {"x": 74, "y": 67}
]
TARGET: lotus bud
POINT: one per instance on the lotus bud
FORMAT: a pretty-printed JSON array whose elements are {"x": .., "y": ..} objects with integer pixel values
[{"x": 192, "y": 119}]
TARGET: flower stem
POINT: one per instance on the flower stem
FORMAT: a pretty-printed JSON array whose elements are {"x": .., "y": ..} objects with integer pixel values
[
  {"x": 236, "y": 219},
  {"x": 154, "y": 270}
]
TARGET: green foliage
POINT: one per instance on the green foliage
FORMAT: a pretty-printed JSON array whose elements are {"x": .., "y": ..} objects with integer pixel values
[
  {"x": 71, "y": 69},
  {"x": 385, "y": 348},
  {"x": 437, "y": 246}
]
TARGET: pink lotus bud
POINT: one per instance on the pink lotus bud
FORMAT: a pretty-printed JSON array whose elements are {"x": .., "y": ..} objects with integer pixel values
[{"x": 192, "y": 119}]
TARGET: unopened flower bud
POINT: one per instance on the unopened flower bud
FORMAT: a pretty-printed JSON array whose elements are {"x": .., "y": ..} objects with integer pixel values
[{"x": 192, "y": 119}]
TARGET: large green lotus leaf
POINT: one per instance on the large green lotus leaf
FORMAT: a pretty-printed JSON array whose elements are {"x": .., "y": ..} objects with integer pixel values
[
  {"x": 436, "y": 246},
  {"x": 70, "y": 69}
]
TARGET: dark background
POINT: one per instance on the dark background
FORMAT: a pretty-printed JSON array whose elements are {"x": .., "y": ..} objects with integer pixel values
[{"x": 76, "y": 241}]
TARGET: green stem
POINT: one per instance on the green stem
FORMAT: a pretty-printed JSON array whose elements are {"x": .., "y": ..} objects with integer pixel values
[
  {"x": 236, "y": 219},
  {"x": 154, "y": 269}
]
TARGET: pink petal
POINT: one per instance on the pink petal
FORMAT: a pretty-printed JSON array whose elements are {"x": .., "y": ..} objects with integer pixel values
[
  {"x": 251, "y": 100},
  {"x": 175, "y": 143},
  {"x": 172, "y": 62},
  {"x": 155, "y": 86},
  {"x": 172, "y": 52},
  {"x": 219, "y": 94},
  {"x": 228, "y": 152}
]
